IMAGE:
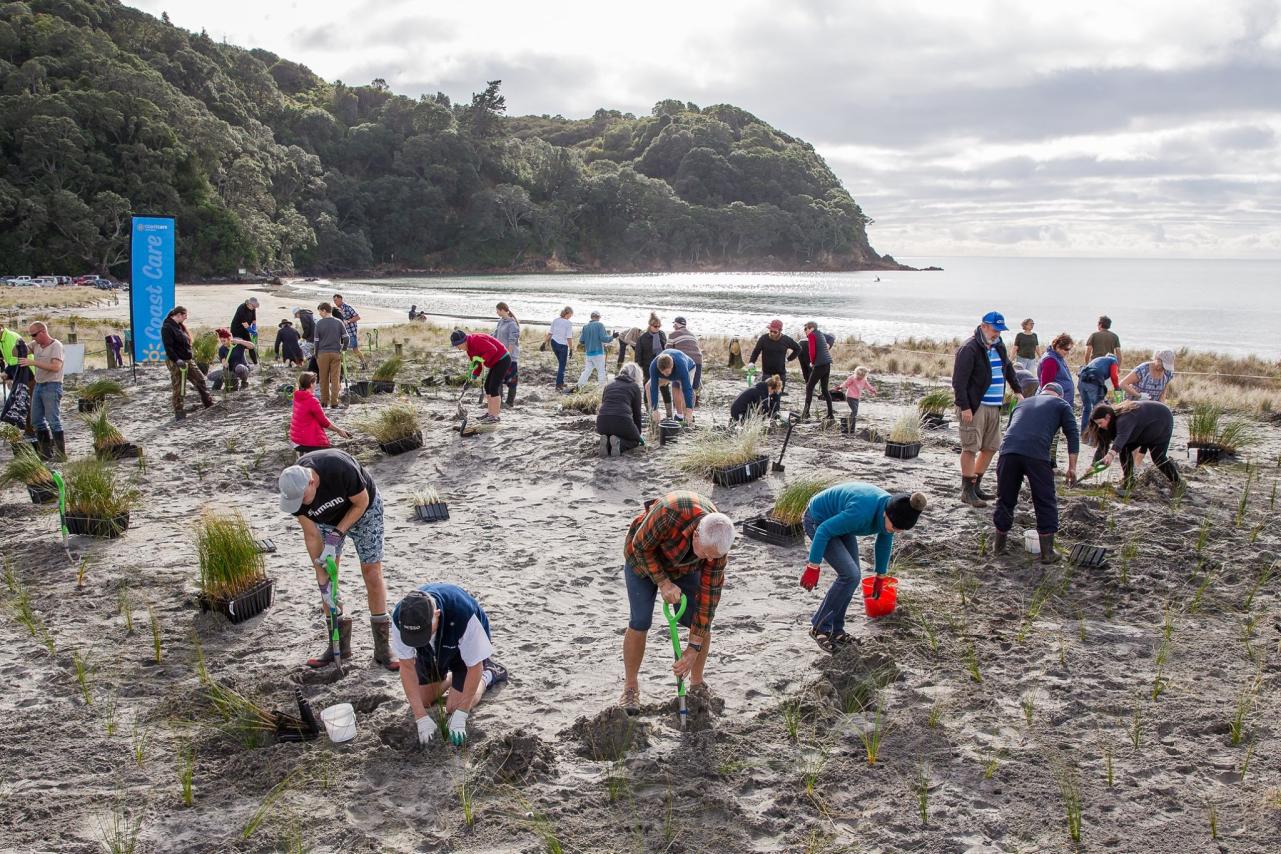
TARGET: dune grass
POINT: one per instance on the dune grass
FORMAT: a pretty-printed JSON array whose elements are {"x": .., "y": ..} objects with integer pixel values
[
  {"x": 93, "y": 489},
  {"x": 229, "y": 559},
  {"x": 790, "y": 504},
  {"x": 26, "y": 468},
  {"x": 386, "y": 372},
  {"x": 105, "y": 434},
  {"x": 702, "y": 452},
  {"x": 935, "y": 401},
  {"x": 425, "y": 496},
  {"x": 204, "y": 348},
  {"x": 100, "y": 390},
  {"x": 396, "y": 422},
  {"x": 584, "y": 401},
  {"x": 907, "y": 428}
]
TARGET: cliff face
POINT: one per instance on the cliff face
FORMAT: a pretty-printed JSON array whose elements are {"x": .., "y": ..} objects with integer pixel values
[{"x": 105, "y": 111}]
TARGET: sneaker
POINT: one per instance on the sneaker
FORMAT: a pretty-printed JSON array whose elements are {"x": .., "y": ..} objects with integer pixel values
[
  {"x": 499, "y": 672},
  {"x": 630, "y": 701},
  {"x": 489, "y": 419}
]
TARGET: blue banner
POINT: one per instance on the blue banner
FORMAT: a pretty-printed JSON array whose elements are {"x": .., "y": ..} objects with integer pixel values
[{"x": 151, "y": 294}]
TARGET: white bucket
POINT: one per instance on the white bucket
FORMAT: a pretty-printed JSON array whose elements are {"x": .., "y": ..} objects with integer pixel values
[
  {"x": 340, "y": 722},
  {"x": 1032, "y": 542}
]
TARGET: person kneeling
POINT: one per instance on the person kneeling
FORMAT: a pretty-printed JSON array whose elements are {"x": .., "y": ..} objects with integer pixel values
[
  {"x": 761, "y": 399},
  {"x": 445, "y": 632},
  {"x": 620, "y": 418}
]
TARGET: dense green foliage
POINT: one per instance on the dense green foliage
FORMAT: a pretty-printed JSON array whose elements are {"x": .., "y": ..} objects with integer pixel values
[{"x": 105, "y": 111}]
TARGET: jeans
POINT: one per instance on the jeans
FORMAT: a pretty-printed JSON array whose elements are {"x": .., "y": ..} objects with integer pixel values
[
  {"x": 562, "y": 358},
  {"x": 44, "y": 406},
  {"x": 593, "y": 363},
  {"x": 1092, "y": 394},
  {"x": 1010, "y": 471},
  {"x": 842, "y": 555}
]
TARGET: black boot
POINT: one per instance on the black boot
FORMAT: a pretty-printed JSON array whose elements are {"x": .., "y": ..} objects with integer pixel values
[
  {"x": 60, "y": 442},
  {"x": 967, "y": 493},
  {"x": 978, "y": 489},
  {"x": 1000, "y": 543},
  {"x": 1048, "y": 554},
  {"x": 511, "y": 395},
  {"x": 44, "y": 444},
  {"x": 344, "y": 645}
]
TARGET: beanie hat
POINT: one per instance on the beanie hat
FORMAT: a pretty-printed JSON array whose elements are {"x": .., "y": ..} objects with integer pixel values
[
  {"x": 905, "y": 509},
  {"x": 414, "y": 618},
  {"x": 1054, "y": 387},
  {"x": 457, "y": 337}
]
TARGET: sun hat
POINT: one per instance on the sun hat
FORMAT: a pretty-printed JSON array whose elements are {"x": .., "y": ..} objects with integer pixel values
[
  {"x": 776, "y": 325},
  {"x": 293, "y": 483},
  {"x": 415, "y": 615},
  {"x": 996, "y": 320},
  {"x": 1166, "y": 358},
  {"x": 457, "y": 337}
]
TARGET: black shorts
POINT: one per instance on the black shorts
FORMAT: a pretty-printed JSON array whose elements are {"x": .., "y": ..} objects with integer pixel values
[
  {"x": 494, "y": 379},
  {"x": 431, "y": 672}
]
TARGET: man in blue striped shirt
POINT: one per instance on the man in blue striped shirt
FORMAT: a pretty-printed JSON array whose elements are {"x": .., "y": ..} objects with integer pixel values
[{"x": 979, "y": 375}]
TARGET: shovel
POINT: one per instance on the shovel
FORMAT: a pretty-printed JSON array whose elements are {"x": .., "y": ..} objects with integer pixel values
[
  {"x": 1094, "y": 469},
  {"x": 791, "y": 422},
  {"x": 335, "y": 647},
  {"x": 62, "y": 512},
  {"x": 676, "y": 650}
]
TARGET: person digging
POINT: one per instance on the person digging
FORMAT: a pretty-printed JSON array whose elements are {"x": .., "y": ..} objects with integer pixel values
[
  {"x": 1025, "y": 453},
  {"x": 834, "y": 519},
  {"x": 445, "y": 632},
  {"x": 493, "y": 356},
  {"x": 334, "y": 499},
  {"x": 677, "y": 545}
]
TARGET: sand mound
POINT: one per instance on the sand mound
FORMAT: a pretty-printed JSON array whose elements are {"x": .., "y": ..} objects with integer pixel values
[
  {"x": 519, "y": 758},
  {"x": 610, "y": 734}
]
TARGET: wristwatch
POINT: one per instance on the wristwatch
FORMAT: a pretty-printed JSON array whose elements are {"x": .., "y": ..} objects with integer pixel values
[{"x": 697, "y": 647}]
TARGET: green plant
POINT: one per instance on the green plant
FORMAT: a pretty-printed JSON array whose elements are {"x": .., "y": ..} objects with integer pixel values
[
  {"x": 1206, "y": 580},
  {"x": 120, "y": 833},
  {"x": 100, "y": 390},
  {"x": 111, "y": 723},
  {"x": 265, "y": 808},
  {"x": 467, "y": 799},
  {"x": 1203, "y": 536},
  {"x": 393, "y": 424},
  {"x": 27, "y": 469},
  {"x": 1265, "y": 575},
  {"x": 425, "y": 496},
  {"x": 140, "y": 739},
  {"x": 1236, "y": 435},
  {"x": 584, "y": 401},
  {"x": 1028, "y": 704},
  {"x": 83, "y": 671},
  {"x": 230, "y": 562},
  {"x": 242, "y": 718},
  {"x": 936, "y": 401},
  {"x": 1128, "y": 552},
  {"x": 126, "y": 609},
  {"x": 1107, "y": 762},
  {"x": 874, "y": 733},
  {"x": 790, "y": 503},
  {"x": 936, "y": 714},
  {"x": 921, "y": 785},
  {"x": 906, "y": 429},
  {"x": 105, "y": 434},
  {"x": 94, "y": 491},
  {"x": 10, "y": 435},
  {"x": 1245, "y": 760},
  {"x": 82, "y": 572},
  {"x": 704, "y": 452},
  {"x": 386, "y": 372},
  {"x": 972, "y": 663},
  {"x": 992, "y": 764},
  {"x": 791, "y": 711},
  {"x": 1244, "y": 704},
  {"x": 186, "y": 774},
  {"x": 155, "y": 631},
  {"x": 931, "y": 635},
  {"x": 1212, "y": 813},
  {"x": 1135, "y": 729},
  {"x": 204, "y": 349},
  {"x": 1203, "y": 424},
  {"x": 1070, "y": 788}
]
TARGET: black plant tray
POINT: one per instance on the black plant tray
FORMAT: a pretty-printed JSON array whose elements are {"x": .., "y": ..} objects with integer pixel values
[
  {"x": 933, "y": 420},
  {"x": 769, "y": 530},
  {"x": 251, "y": 603},
  {"x": 41, "y": 494},
  {"x": 383, "y": 386},
  {"x": 400, "y": 446},
  {"x": 900, "y": 451},
  {"x": 1207, "y": 454},
  {"x": 1088, "y": 556},
  {"x": 836, "y": 394},
  {"x": 123, "y": 451},
  {"x": 437, "y": 512},
  {"x": 265, "y": 546},
  {"x": 88, "y": 404},
  {"x": 95, "y": 526},
  {"x": 363, "y": 388},
  {"x": 740, "y": 474}
]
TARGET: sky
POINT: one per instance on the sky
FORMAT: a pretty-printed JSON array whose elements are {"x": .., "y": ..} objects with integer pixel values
[{"x": 1109, "y": 128}]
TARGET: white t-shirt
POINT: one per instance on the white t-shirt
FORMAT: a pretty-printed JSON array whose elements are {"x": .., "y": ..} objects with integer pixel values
[
  {"x": 562, "y": 330},
  {"x": 474, "y": 647}
]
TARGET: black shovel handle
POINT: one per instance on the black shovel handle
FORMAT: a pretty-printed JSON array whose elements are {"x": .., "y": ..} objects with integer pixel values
[{"x": 786, "y": 439}]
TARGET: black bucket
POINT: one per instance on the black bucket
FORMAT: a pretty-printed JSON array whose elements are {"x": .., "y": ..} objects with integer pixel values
[{"x": 669, "y": 429}]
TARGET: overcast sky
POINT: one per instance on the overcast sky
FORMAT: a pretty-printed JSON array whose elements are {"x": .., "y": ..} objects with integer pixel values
[{"x": 1097, "y": 127}]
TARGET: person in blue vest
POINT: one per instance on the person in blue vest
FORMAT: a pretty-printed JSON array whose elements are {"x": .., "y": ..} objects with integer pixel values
[
  {"x": 675, "y": 368},
  {"x": 979, "y": 375},
  {"x": 834, "y": 520},
  {"x": 445, "y": 632},
  {"x": 1093, "y": 377},
  {"x": 1025, "y": 453},
  {"x": 1053, "y": 367}
]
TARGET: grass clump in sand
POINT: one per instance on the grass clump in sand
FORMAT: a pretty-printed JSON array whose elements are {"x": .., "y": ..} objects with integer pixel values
[
  {"x": 154, "y": 622},
  {"x": 1208, "y": 427},
  {"x": 26, "y": 468},
  {"x": 83, "y": 670},
  {"x": 230, "y": 562},
  {"x": 874, "y": 733},
  {"x": 386, "y": 372},
  {"x": 1070, "y": 788},
  {"x": 703, "y": 453},
  {"x": 105, "y": 434},
  {"x": 100, "y": 390},
  {"x": 94, "y": 491},
  {"x": 790, "y": 504},
  {"x": 393, "y": 424},
  {"x": 935, "y": 402},
  {"x": 584, "y": 401},
  {"x": 204, "y": 349},
  {"x": 906, "y": 429}
]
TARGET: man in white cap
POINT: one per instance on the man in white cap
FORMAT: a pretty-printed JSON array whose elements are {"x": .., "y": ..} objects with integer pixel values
[{"x": 335, "y": 499}]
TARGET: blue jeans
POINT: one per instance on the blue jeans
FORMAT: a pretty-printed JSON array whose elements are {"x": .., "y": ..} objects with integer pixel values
[
  {"x": 641, "y": 593},
  {"x": 44, "y": 406},
  {"x": 1091, "y": 395},
  {"x": 562, "y": 358},
  {"x": 842, "y": 555}
]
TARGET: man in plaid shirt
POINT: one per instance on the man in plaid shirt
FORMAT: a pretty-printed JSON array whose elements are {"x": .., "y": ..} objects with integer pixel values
[
  {"x": 349, "y": 317},
  {"x": 677, "y": 545}
]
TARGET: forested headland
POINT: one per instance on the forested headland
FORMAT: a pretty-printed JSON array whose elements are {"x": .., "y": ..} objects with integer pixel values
[{"x": 107, "y": 111}]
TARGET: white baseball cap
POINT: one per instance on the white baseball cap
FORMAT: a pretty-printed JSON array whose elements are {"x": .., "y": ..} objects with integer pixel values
[{"x": 293, "y": 485}]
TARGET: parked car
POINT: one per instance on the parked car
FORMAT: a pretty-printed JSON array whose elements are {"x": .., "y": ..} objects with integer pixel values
[
  {"x": 104, "y": 284},
  {"x": 22, "y": 281}
]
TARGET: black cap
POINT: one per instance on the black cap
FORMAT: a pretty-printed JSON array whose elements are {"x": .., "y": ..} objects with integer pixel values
[
  {"x": 904, "y": 509},
  {"x": 457, "y": 337},
  {"x": 414, "y": 618}
]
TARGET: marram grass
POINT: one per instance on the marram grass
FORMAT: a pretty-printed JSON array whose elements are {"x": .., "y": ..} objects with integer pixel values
[
  {"x": 230, "y": 562},
  {"x": 386, "y": 372},
  {"x": 425, "y": 496},
  {"x": 907, "y": 428},
  {"x": 396, "y": 422},
  {"x": 26, "y": 468},
  {"x": 585, "y": 401},
  {"x": 101, "y": 389},
  {"x": 93, "y": 490},
  {"x": 701, "y": 453},
  {"x": 790, "y": 504},
  {"x": 936, "y": 401},
  {"x": 104, "y": 433}
]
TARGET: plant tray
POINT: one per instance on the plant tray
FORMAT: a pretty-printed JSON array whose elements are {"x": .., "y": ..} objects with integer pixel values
[
  {"x": 41, "y": 494},
  {"x": 1088, "y": 556},
  {"x": 266, "y": 547},
  {"x": 901, "y": 451},
  {"x": 933, "y": 420},
  {"x": 437, "y": 512},
  {"x": 360, "y": 389},
  {"x": 383, "y": 386},
  {"x": 88, "y": 404},
  {"x": 740, "y": 474},
  {"x": 836, "y": 394},
  {"x": 96, "y": 526},
  {"x": 123, "y": 451},
  {"x": 769, "y": 530},
  {"x": 1208, "y": 455},
  {"x": 251, "y": 603},
  {"x": 400, "y": 446}
]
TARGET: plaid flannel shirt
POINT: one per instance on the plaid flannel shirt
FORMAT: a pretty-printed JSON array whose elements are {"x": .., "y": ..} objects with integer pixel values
[
  {"x": 658, "y": 548},
  {"x": 347, "y": 313}
]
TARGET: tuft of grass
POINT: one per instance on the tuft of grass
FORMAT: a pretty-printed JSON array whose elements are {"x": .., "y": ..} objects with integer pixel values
[
  {"x": 972, "y": 663},
  {"x": 1070, "y": 788},
  {"x": 187, "y": 774},
  {"x": 1028, "y": 703},
  {"x": 100, "y": 390},
  {"x": 119, "y": 834},
  {"x": 1107, "y": 763},
  {"x": 790, "y": 503},
  {"x": 26, "y": 468},
  {"x": 921, "y": 785},
  {"x": 386, "y": 372},
  {"x": 936, "y": 715},
  {"x": 584, "y": 401},
  {"x": 1212, "y": 815},
  {"x": 1128, "y": 552},
  {"x": 993, "y": 763},
  {"x": 1266, "y": 574},
  {"x": 105, "y": 434},
  {"x": 425, "y": 496},
  {"x": 140, "y": 740},
  {"x": 230, "y": 562},
  {"x": 1203, "y": 423},
  {"x": 94, "y": 490},
  {"x": 927, "y": 628},
  {"x": 242, "y": 718},
  {"x": 154, "y": 622},
  {"x": 83, "y": 671},
  {"x": 265, "y": 808},
  {"x": 1244, "y": 705},
  {"x": 906, "y": 429},
  {"x": 204, "y": 349},
  {"x": 126, "y": 609},
  {"x": 874, "y": 733},
  {"x": 396, "y": 422},
  {"x": 791, "y": 712},
  {"x": 702, "y": 452},
  {"x": 1135, "y": 729},
  {"x": 935, "y": 401},
  {"x": 467, "y": 799}
]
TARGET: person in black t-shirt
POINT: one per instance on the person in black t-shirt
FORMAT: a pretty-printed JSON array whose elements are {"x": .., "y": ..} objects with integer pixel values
[{"x": 335, "y": 499}]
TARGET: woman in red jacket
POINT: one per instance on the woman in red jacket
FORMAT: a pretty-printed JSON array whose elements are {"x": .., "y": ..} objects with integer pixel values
[
  {"x": 492, "y": 355},
  {"x": 307, "y": 424}
]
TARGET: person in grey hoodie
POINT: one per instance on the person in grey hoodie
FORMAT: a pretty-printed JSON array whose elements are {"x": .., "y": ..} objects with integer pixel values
[
  {"x": 508, "y": 332},
  {"x": 687, "y": 342}
]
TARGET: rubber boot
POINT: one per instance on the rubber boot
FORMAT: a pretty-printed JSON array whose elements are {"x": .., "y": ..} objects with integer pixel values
[
  {"x": 967, "y": 493},
  {"x": 1048, "y": 554},
  {"x": 380, "y": 626},
  {"x": 511, "y": 395},
  {"x": 60, "y": 442},
  {"x": 344, "y": 645},
  {"x": 978, "y": 489},
  {"x": 44, "y": 444},
  {"x": 1001, "y": 543},
  {"x": 206, "y": 399}
]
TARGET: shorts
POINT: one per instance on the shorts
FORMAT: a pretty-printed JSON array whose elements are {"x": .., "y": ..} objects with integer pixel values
[
  {"x": 494, "y": 379},
  {"x": 983, "y": 433},
  {"x": 641, "y": 593},
  {"x": 353, "y": 340},
  {"x": 430, "y": 671},
  {"x": 367, "y": 534}
]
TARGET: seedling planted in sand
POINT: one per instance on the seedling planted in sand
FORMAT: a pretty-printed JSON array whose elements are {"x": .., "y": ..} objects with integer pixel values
[
  {"x": 874, "y": 733},
  {"x": 126, "y": 609},
  {"x": 1107, "y": 762},
  {"x": 1070, "y": 787},
  {"x": 1212, "y": 815},
  {"x": 265, "y": 808},
  {"x": 27, "y": 469},
  {"x": 186, "y": 774},
  {"x": 83, "y": 671},
  {"x": 121, "y": 831},
  {"x": 1135, "y": 729},
  {"x": 1265, "y": 575},
  {"x": 140, "y": 738},
  {"x": 1244, "y": 705},
  {"x": 972, "y": 663},
  {"x": 1028, "y": 703},
  {"x": 921, "y": 785},
  {"x": 154, "y": 622}
]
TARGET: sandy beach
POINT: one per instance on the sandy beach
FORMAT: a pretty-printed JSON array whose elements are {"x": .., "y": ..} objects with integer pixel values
[{"x": 998, "y": 684}]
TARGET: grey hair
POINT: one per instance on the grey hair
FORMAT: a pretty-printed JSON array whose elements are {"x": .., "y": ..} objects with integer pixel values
[
  {"x": 633, "y": 371},
  {"x": 717, "y": 530}
]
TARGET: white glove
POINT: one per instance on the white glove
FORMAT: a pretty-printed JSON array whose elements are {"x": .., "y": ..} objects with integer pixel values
[
  {"x": 331, "y": 549},
  {"x": 458, "y": 728},
  {"x": 426, "y": 730},
  {"x": 327, "y": 596}
]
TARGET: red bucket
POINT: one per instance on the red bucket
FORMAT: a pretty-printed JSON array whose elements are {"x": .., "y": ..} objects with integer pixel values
[{"x": 889, "y": 595}]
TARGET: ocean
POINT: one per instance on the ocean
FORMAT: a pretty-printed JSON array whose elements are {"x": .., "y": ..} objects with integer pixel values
[{"x": 1229, "y": 306}]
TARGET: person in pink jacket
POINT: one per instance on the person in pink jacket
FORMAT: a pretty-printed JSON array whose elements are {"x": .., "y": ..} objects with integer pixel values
[
  {"x": 855, "y": 386},
  {"x": 308, "y": 423}
]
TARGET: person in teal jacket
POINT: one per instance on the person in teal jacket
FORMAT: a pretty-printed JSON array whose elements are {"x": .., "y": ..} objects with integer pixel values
[{"x": 834, "y": 520}]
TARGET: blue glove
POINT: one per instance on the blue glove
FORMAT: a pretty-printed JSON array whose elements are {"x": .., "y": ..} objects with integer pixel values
[{"x": 458, "y": 728}]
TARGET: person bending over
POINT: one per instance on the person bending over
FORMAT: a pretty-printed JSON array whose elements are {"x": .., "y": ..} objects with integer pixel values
[
  {"x": 620, "y": 419},
  {"x": 492, "y": 355},
  {"x": 674, "y": 368},
  {"x": 1129, "y": 430},
  {"x": 760, "y": 400},
  {"x": 308, "y": 422}
]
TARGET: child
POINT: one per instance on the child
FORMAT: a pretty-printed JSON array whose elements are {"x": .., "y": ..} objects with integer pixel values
[
  {"x": 307, "y": 424},
  {"x": 856, "y": 385}
]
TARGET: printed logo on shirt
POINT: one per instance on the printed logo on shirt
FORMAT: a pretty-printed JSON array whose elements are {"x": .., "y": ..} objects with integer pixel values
[{"x": 323, "y": 508}]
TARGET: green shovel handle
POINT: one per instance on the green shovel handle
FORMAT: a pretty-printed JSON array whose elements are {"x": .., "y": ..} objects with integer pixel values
[
  {"x": 331, "y": 568},
  {"x": 672, "y": 623},
  {"x": 62, "y": 501}
]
